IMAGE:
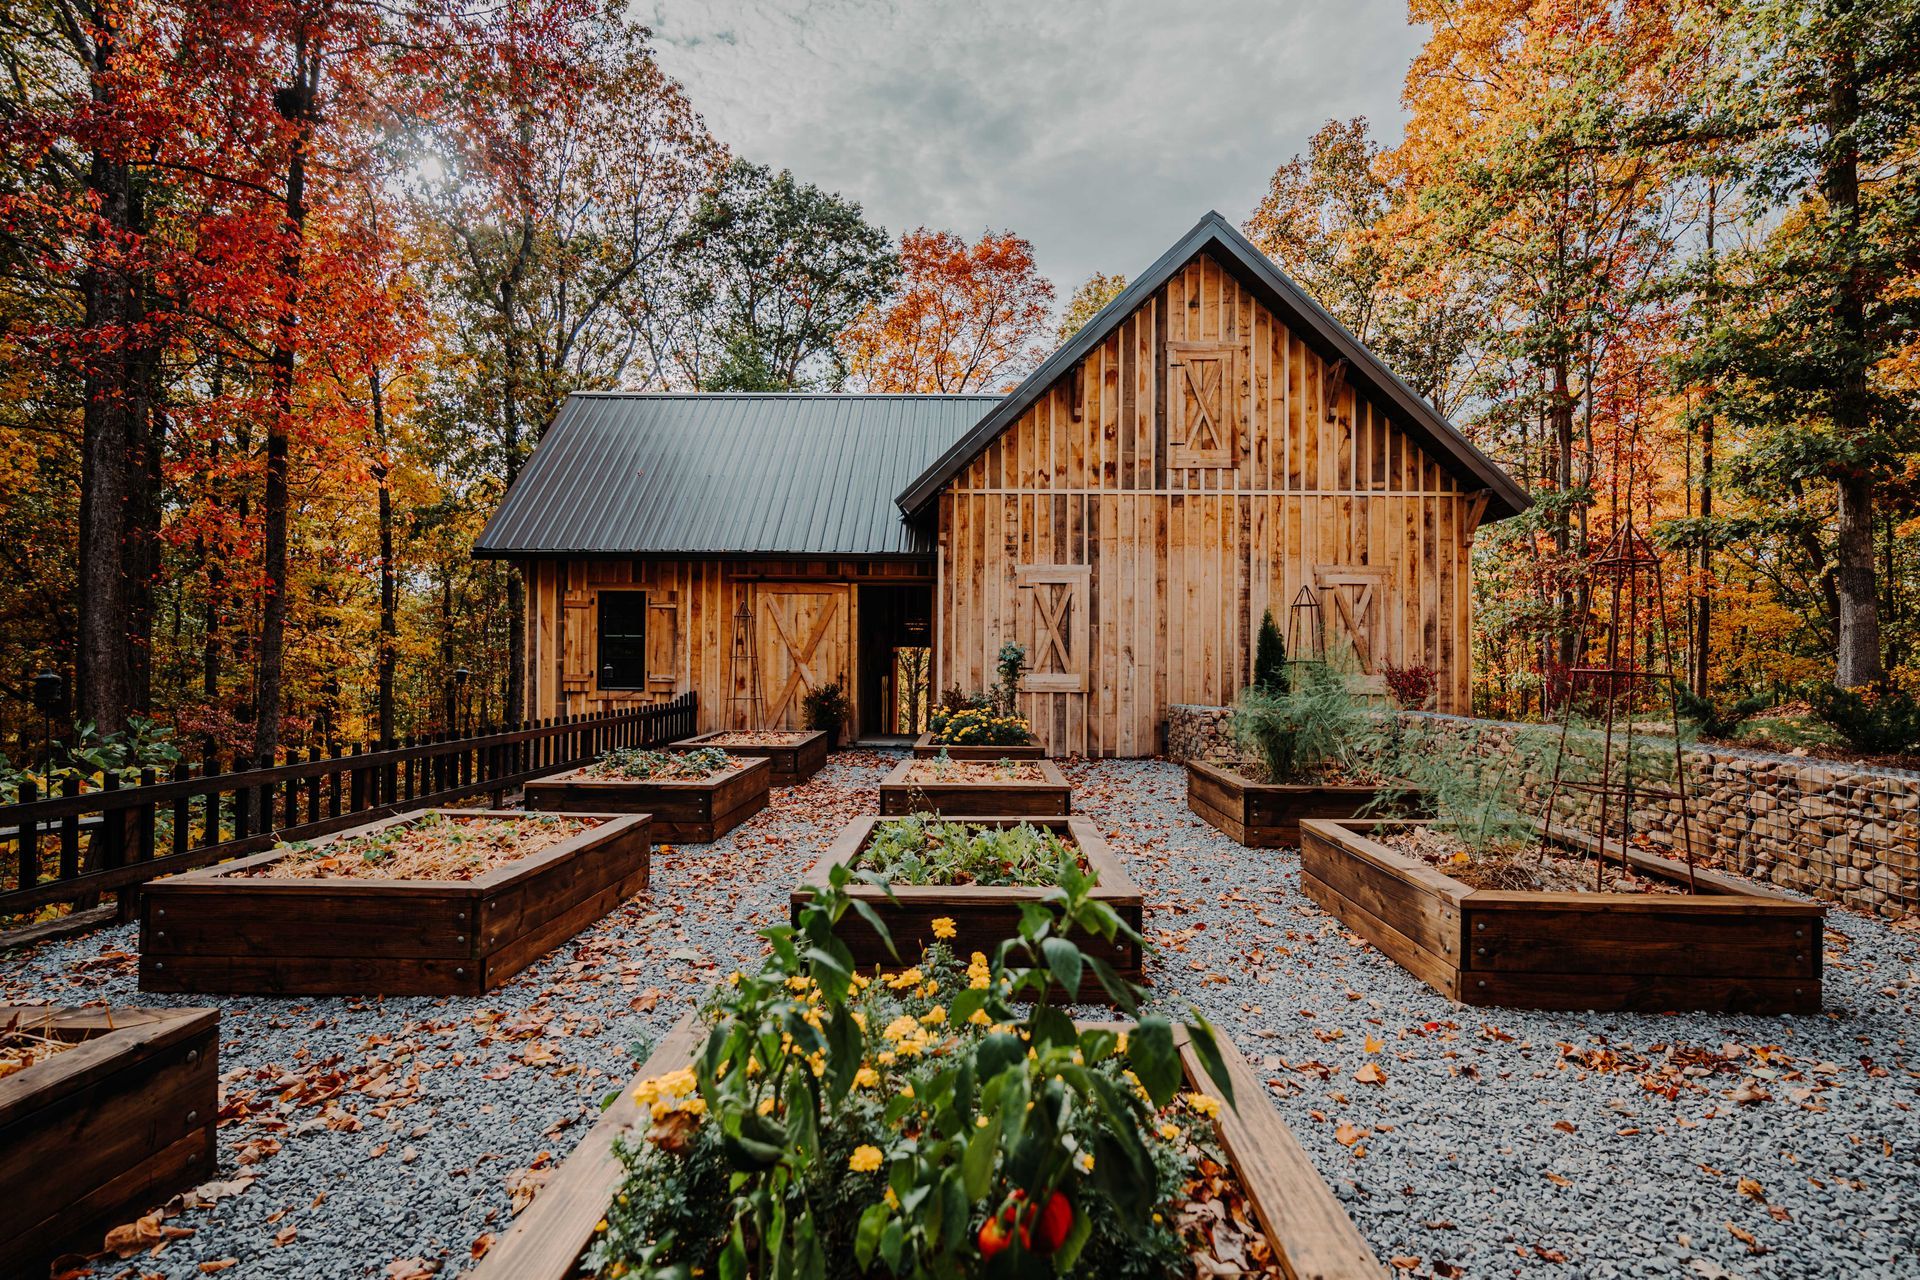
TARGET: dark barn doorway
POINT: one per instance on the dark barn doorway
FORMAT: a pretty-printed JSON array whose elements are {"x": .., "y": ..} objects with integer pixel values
[{"x": 896, "y": 660}]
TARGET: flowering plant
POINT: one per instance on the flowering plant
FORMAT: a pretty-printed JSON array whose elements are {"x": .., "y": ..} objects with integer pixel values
[
  {"x": 979, "y": 727},
  {"x": 920, "y": 1122}
]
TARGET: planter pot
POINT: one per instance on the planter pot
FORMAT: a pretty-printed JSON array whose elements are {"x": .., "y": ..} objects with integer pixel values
[
  {"x": 1301, "y": 1217},
  {"x": 1732, "y": 947},
  {"x": 981, "y": 915},
  {"x": 103, "y": 1131},
  {"x": 926, "y": 748},
  {"x": 1266, "y": 815},
  {"x": 1047, "y": 796},
  {"x": 694, "y": 811},
  {"x": 793, "y": 763},
  {"x": 210, "y": 930}
]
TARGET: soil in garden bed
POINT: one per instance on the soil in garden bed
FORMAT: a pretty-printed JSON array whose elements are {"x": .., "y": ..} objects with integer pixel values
[
  {"x": 25, "y": 1043},
  {"x": 1527, "y": 869},
  {"x": 757, "y": 738},
  {"x": 436, "y": 847},
  {"x": 973, "y": 772}
]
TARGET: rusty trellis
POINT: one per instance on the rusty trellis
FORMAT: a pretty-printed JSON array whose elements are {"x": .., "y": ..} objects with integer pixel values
[
  {"x": 744, "y": 708},
  {"x": 1627, "y": 573}
]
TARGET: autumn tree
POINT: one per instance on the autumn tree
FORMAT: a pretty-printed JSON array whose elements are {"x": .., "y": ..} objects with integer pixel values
[
  {"x": 965, "y": 317},
  {"x": 559, "y": 192},
  {"x": 1091, "y": 294}
]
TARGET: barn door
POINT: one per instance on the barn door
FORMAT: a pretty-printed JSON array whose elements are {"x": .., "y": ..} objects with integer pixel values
[
  {"x": 802, "y": 638},
  {"x": 1354, "y": 596}
]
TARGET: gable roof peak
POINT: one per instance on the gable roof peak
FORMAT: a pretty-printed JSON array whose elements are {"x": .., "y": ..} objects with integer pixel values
[{"x": 1313, "y": 323}]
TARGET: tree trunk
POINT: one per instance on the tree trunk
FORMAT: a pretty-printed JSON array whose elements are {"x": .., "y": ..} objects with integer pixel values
[
  {"x": 295, "y": 103},
  {"x": 119, "y": 508},
  {"x": 1703, "y": 610},
  {"x": 510, "y": 438},
  {"x": 1857, "y": 622},
  {"x": 389, "y": 602},
  {"x": 1857, "y": 633}
]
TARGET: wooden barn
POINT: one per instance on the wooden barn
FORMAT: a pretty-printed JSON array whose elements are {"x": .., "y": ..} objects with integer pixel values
[{"x": 1212, "y": 444}]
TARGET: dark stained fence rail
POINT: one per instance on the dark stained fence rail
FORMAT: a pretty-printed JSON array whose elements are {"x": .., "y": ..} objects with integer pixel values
[{"x": 77, "y": 845}]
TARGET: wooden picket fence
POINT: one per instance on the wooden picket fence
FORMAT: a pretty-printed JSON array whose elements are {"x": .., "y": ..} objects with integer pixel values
[{"x": 80, "y": 844}]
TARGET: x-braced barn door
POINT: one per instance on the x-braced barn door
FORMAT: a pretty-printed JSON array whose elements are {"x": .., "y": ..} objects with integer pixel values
[{"x": 803, "y": 643}]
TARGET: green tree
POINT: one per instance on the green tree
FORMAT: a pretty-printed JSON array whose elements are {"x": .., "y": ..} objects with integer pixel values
[
  {"x": 1093, "y": 293},
  {"x": 1269, "y": 657},
  {"x": 1823, "y": 307},
  {"x": 774, "y": 269}
]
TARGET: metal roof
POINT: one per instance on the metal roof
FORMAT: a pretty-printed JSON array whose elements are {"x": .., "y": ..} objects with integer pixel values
[
  {"x": 727, "y": 474},
  {"x": 1233, "y": 251}
]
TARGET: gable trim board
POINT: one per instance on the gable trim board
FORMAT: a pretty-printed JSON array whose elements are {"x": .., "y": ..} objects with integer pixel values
[{"x": 1215, "y": 236}]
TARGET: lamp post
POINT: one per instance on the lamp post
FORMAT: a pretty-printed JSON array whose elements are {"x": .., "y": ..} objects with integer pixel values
[{"x": 50, "y": 696}]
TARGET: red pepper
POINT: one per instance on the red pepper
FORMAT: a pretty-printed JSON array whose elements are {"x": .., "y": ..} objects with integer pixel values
[
  {"x": 999, "y": 1231},
  {"x": 1055, "y": 1221}
]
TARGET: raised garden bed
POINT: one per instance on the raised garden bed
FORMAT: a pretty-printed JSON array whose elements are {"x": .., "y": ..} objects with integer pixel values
[
  {"x": 106, "y": 1127},
  {"x": 284, "y": 922},
  {"x": 1732, "y": 947},
  {"x": 926, "y": 748},
  {"x": 796, "y": 754},
  {"x": 1267, "y": 815},
  {"x": 981, "y": 914},
  {"x": 1024, "y": 788},
  {"x": 1299, "y": 1214},
  {"x": 696, "y": 809}
]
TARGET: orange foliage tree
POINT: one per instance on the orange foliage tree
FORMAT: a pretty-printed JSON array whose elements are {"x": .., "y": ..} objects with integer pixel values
[{"x": 966, "y": 317}]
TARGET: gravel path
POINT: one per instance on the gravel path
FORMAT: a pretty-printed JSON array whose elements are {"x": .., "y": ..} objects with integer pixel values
[{"x": 384, "y": 1136}]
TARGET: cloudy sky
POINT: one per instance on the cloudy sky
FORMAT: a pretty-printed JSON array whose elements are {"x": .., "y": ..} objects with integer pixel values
[{"x": 1099, "y": 129}]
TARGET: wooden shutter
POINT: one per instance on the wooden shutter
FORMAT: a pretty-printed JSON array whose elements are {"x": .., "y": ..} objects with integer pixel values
[
  {"x": 1053, "y": 626},
  {"x": 1203, "y": 409},
  {"x": 1354, "y": 600},
  {"x": 663, "y": 639},
  {"x": 577, "y": 643}
]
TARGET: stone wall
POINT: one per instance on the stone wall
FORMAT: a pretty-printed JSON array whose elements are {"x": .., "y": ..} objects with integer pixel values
[{"x": 1846, "y": 833}]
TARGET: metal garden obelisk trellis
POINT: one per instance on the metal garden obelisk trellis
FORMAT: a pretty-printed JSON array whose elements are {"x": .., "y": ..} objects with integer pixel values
[
  {"x": 1625, "y": 576},
  {"x": 744, "y": 709}
]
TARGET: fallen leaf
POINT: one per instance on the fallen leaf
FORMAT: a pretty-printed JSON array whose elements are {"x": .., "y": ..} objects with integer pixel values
[{"x": 1370, "y": 1074}]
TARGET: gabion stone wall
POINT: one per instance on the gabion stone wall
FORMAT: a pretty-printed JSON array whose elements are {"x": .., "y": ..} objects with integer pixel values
[{"x": 1846, "y": 833}]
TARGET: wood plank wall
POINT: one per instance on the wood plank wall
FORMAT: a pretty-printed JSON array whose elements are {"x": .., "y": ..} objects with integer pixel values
[
  {"x": 1184, "y": 560},
  {"x": 706, "y": 594}
]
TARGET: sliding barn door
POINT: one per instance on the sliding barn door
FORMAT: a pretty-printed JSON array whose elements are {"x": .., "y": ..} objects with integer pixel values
[{"x": 803, "y": 633}]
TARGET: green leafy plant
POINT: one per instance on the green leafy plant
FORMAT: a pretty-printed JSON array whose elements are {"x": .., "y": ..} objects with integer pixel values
[
  {"x": 666, "y": 766},
  {"x": 825, "y": 708},
  {"x": 1269, "y": 657},
  {"x": 1470, "y": 778},
  {"x": 1716, "y": 719},
  {"x": 1875, "y": 719},
  {"x": 1011, "y": 662},
  {"x": 921, "y": 849},
  {"x": 938, "y": 1122},
  {"x": 1318, "y": 723}
]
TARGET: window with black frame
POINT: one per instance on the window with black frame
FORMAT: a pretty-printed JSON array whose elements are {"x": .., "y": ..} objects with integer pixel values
[{"x": 623, "y": 640}]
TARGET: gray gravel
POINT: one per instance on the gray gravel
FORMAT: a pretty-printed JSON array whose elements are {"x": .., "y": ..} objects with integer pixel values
[{"x": 1488, "y": 1150}]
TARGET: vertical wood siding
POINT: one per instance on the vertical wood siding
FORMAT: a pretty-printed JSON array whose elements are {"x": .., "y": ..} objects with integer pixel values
[
  {"x": 705, "y": 596},
  {"x": 1184, "y": 560}
]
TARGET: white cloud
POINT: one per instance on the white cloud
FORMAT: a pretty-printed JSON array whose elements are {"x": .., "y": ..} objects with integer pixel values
[{"x": 1098, "y": 129}]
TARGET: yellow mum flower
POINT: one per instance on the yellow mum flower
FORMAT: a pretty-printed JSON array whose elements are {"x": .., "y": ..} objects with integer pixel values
[
  {"x": 864, "y": 1159},
  {"x": 979, "y": 1018},
  {"x": 865, "y": 1078},
  {"x": 934, "y": 1016},
  {"x": 1169, "y": 1131},
  {"x": 943, "y": 927},
  {"x": 1203, "y": 1104}
]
